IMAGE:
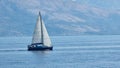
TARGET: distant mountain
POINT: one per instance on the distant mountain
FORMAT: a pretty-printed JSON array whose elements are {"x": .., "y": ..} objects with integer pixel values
[{"x": 61, "y": 17}]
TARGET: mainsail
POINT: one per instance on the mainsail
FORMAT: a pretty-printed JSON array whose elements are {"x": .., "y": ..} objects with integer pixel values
[
  {"x": 40, "y": 35},
  {"x": 37, "y": 35}
]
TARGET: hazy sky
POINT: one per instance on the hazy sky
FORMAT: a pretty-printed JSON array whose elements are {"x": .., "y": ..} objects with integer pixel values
[
  {"x": 76, "y": 12},
  {"x": 107, "y": 4},
  {"x": 28, "y": 4}
]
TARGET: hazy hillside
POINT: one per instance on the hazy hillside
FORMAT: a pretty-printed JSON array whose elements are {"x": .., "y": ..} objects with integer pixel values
[{"x": 62, "y": 17}]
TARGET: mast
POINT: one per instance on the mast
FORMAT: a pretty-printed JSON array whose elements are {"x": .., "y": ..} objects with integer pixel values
[
  {"x": 44, "y": 34},
  {"x": 41, "y": 28}
]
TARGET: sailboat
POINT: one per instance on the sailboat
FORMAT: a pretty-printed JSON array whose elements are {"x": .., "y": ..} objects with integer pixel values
[{"x": 41, "y": 39}]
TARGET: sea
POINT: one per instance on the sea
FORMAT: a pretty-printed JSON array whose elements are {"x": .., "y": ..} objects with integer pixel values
[{"x": 85, "y": 51}]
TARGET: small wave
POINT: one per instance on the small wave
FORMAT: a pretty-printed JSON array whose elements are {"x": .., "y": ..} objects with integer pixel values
[
  {"x": 13, "y": 49},
  {"x": 85, "y": 47},
  {"x": 88, "y": 51}
]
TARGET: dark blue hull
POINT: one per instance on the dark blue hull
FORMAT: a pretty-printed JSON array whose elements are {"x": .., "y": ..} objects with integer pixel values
[{"x": 39, "y": 48}]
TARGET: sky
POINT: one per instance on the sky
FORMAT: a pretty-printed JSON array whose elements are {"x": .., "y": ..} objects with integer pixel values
[
  {"x": 32, "y": 4},
  {"x": 106, "y": 4},
  {"x": 15, "y": 13}
]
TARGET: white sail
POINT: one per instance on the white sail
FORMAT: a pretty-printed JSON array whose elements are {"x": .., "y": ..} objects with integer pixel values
[
  {"x": 46, "y": 38},
  {"x": 37, "y": 36},
  {"x": 40, "y": 33}
]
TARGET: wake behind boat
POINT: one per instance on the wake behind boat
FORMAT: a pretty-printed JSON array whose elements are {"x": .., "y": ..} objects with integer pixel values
[{"x": 40, "y": 40}]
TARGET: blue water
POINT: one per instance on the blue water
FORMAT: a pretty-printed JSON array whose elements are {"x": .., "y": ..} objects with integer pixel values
[{"x": 69, "y": 52}]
